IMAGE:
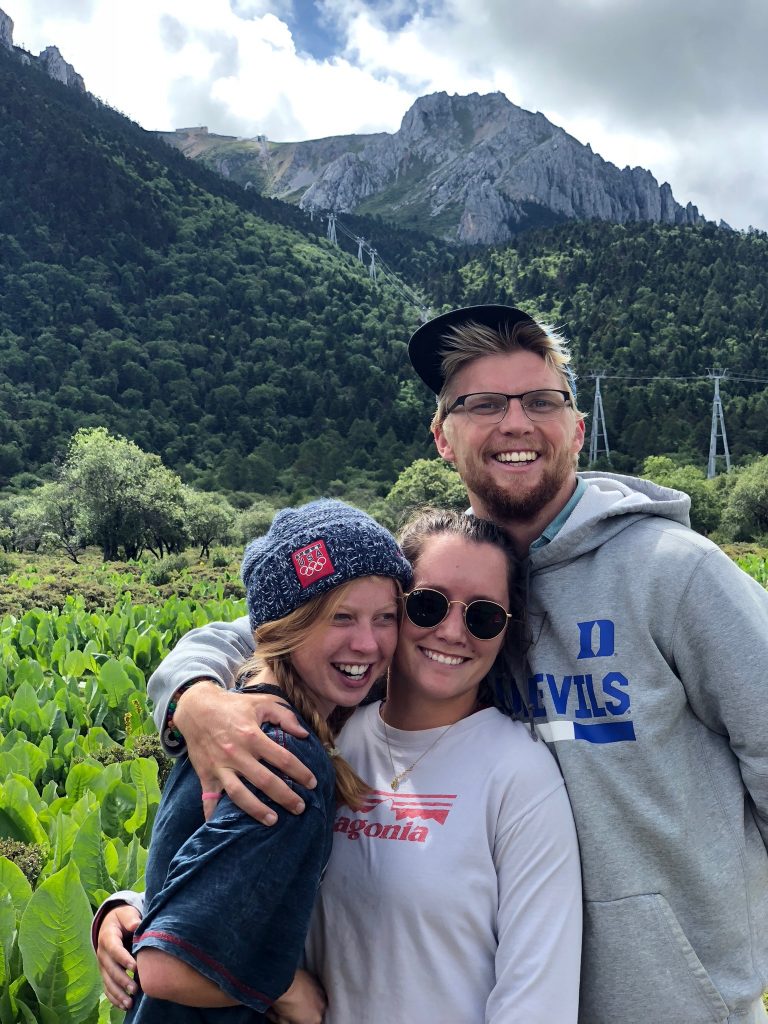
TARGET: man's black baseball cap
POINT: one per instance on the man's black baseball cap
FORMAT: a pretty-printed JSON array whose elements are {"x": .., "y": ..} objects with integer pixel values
[{"x": 425, "y": 345}]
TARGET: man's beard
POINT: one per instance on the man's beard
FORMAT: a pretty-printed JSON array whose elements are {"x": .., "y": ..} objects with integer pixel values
[{"x": 505, "y": 505}]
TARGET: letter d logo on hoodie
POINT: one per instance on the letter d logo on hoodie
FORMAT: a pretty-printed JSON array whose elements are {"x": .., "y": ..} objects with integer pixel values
[{"x": 596, "y": 638}]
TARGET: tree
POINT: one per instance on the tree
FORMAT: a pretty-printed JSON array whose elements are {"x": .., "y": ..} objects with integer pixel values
[
  {"x": 161, "y": 511},
  {"x": 28, "y": 522},
  {"x": 60, "y": 513},
  {"x": 424, "y": 482},
  {"x": 254, "y": 521},
  {"x": 746, "y": 510},
  {"x": 209, "y": 518},
  {"x": 124, "y": 496}
]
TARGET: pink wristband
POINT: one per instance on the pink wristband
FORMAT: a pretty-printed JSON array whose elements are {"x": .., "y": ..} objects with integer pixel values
[{"x": 212, "y": 796}]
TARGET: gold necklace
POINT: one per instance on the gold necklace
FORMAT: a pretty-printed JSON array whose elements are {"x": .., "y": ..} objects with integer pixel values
[{"x": 398, "y": 777}]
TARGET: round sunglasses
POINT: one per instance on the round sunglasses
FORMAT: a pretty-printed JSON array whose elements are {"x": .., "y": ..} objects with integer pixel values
[{"x": 427, "y": 608}]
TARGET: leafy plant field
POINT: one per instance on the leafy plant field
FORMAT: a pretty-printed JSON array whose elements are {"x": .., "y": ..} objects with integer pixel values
[{"x": 81, "y": 768}]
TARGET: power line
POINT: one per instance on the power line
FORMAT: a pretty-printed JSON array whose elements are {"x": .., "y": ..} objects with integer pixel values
[{"x": 378, "y": 268}]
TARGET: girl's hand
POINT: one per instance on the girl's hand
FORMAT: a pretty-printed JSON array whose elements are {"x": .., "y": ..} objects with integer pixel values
[
  {"x": 303, "y": 1003},
  {"x": 115, "y": 960}
]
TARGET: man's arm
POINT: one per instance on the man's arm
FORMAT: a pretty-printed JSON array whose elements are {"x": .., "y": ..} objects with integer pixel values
[
  {"x": 214, "y": 652},
  {"x": 222, "y": 730},
  {"x": 720, "y": 648}
]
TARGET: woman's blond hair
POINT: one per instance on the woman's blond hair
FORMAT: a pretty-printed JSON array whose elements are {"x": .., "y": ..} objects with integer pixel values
[{"x": 275, "y": 643}]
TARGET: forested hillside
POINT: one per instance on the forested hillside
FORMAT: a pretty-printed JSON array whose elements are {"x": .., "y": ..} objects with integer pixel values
[
  {"x": 142, "y": 292},
  {"x": 643, "y": 304}
]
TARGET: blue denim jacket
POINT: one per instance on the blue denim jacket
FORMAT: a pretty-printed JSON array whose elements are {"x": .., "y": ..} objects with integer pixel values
[{"x": 231, "y": 897}]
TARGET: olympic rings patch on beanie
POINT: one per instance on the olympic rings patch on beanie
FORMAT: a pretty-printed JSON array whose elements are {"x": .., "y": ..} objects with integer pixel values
[{"x": 312, "y": 562}]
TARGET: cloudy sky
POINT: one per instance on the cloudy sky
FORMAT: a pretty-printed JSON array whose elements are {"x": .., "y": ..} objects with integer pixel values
[{"x": 677, "y": 86}]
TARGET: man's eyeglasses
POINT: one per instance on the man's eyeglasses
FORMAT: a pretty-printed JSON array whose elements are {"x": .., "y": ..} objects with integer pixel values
[
  {"x": 491, "y": 406},
  {"x": 428, "y": 608}
]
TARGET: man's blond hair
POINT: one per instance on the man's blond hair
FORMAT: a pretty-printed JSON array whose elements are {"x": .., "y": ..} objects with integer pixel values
[{"x": 466, "y": 342}]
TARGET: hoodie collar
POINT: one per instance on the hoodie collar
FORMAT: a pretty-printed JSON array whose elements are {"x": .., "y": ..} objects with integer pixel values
[{"x": 551, "y": 531}]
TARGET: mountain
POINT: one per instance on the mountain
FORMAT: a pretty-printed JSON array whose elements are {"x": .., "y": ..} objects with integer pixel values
[
  {"x": 473, "y": 169},
  {"x": 222, "y": 330},
  {"x": 141, "y": 291}
]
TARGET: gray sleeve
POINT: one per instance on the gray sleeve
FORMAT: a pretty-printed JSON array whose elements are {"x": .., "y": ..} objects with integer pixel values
[
  {"x": 721, "y": 652},
  {"x": 215, "y": 652}
]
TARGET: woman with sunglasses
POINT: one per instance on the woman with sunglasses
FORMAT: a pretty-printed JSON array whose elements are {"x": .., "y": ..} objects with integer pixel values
[{"x": 453, "y": 892}]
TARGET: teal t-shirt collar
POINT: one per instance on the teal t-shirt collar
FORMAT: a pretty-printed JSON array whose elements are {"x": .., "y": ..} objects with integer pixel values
[{"x": 552, "y": 530}]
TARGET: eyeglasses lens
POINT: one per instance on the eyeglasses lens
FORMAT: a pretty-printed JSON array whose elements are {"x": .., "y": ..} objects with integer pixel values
[
  {"x": 485, "y": 620},
  {"x": 491, "y": 407},
  {"x": 426, "y": 608}
]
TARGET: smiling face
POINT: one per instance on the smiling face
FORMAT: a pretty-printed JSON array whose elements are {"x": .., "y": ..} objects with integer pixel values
[
  {"x": 516, "y": 470},
  {"x": 437, "y": 671},
  {"x": 344, "y": 656}
]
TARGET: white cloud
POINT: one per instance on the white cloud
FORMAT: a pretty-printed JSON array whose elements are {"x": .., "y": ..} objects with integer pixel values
[{"x": 678, "y": 88}]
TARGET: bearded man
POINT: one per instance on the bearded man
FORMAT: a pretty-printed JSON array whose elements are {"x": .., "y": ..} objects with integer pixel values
[{"x": 645, "y": 675}]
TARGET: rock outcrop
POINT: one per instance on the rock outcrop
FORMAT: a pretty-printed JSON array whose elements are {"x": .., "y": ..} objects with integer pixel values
[
  {"x": 55, "y": 65},
  {"x": 50, "y": 59},
  {"x": 6, "y": 31},
  {"x": 481, "y": 168}
]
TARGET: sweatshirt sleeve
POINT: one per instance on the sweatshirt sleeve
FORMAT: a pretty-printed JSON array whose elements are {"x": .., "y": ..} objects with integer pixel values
[
  {"x": 215, "y": 652},
  {"x": 539, "y": 921},
  {"x": 720, "y": 649}
]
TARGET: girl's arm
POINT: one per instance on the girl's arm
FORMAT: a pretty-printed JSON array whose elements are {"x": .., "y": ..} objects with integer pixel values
[
  {"x": 166, "y": 977},
  {"x": 234, "y": 906}
]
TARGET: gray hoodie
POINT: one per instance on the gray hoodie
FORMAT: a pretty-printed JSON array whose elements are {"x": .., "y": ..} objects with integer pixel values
[{"x": 648, "y": 664}]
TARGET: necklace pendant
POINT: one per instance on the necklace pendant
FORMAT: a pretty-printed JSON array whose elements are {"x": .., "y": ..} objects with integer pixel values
[{"x": 395, "y": 784}]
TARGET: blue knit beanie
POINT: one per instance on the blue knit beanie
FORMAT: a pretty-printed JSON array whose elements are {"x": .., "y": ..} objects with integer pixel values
[{"x": 310, "y": 550}]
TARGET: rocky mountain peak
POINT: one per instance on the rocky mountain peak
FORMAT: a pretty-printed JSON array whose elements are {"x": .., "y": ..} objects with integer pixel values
[
  {"x": 6, "y": 31},
  {"x": 54, "y": 64},
  {"x": 50, "y": 59},
  {"x": 480, "y": 168},
  {"x": 474, "y": 169}
]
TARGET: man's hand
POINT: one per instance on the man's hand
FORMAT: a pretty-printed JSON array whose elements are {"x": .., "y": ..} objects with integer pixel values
[
  {"x": 303, "y": 1003},
  {"x": 115, "y": 935},
  {"x": 224, "y": 740}
]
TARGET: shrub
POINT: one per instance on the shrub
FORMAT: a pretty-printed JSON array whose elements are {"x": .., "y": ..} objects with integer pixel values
[
  {"x": 29, "y": 857},
  {"x": 162, "y": 571},
  {"x": 220, "y": 558}
]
